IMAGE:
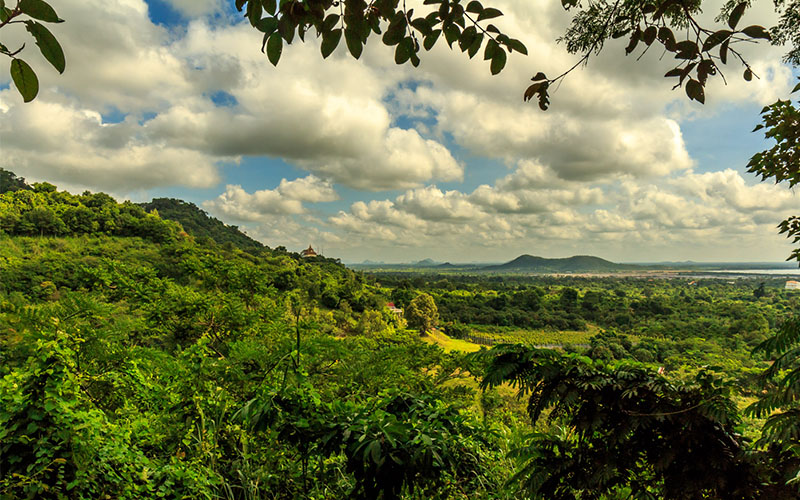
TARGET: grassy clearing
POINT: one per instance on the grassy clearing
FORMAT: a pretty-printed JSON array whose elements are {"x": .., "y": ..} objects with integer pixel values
[
  {"x": 534, "y": 337},
  {"x": 449, "y": 344}
]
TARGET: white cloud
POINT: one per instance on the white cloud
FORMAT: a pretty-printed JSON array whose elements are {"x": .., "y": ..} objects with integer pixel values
[
  {"x": 61, "y": 142},
  {"x": 235, "y": 203}
]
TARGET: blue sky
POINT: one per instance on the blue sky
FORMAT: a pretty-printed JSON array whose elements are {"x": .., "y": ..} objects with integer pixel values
[{"x": 374, "y": 161}]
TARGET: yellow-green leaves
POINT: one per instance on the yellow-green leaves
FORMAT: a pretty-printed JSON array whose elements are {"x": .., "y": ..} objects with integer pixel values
[{"x": 25, "y": 79}]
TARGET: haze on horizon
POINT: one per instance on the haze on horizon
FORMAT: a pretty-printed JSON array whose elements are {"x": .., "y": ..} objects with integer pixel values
[{"x": 373, "y": 161}]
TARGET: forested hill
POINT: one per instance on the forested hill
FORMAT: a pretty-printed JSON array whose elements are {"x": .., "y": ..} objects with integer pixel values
[
  {"x": 576, "y": 264},
  {"x": 199, "y": 224},
  {"x": 10, "y": 182},
  {"x": 192, "y": 218}
]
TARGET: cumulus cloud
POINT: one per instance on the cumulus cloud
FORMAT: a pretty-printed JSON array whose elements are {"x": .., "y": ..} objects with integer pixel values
[
  {"x": 236, "y": 203},
  {"x": 729, "y": 187},
  {"x": 688, "y": 213},
  {"x": 327, "y": 118},
  {"x": 62, "y": 142}
]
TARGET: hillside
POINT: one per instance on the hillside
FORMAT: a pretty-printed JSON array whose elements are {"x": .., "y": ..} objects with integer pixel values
[
  {"x": 576, "y": 264},
  {"x": 141, "y": 363},
  {"x": 199, "y": 224}
]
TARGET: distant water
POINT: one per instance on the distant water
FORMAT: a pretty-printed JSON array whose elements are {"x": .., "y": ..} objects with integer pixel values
[{"x": 778, "y": 272}]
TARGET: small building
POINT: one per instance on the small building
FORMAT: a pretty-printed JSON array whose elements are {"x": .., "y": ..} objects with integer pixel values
[
  {"x": 792, "y": 285},
  {"x": 308, "y": 252},
  {"x": 394, "y": 309}
]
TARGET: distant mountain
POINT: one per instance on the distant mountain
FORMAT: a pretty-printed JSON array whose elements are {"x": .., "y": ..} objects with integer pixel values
[
  {"x": 576, "y": 264},
  {"x": 199, "y": 224},
  {"x": 425, "y": 263}
]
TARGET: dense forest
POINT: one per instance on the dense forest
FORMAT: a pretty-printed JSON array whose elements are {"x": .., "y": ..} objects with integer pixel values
[{"x": 142, "y": 357}]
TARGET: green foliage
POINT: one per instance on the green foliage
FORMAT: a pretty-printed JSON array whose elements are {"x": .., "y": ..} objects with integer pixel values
[
  {"x": 392, "y": 445},
  {"x": 674, "y": 27},
  {"x": 421, "y": 313},
  {"x": 22, "y": 74},
  {"x": 10, "y": 182},
  {"x": 462, "y": 27},
  {"x": 199, "y": 224},
  {"x": 623, "y": 426},
  {"x": 44, "y": 211}
]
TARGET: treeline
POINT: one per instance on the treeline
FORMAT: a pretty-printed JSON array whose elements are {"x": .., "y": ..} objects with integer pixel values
[
  {"x": 678, "y": 308},
  {"x": 45, "y": 211},
  {"x": 199, "y": 224}
]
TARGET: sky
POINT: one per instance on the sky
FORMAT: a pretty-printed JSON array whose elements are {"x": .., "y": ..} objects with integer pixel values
[{"x": 367, "y": 160}]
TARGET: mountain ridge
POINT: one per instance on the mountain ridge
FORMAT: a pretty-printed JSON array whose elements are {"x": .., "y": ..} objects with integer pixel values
[{"x": 576, "y": 263}]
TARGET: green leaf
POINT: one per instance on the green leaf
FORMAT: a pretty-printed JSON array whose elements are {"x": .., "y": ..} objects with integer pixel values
[
  {"x": 286, "y": 28},
  {"x": 38, "y": 9},
  {"x": 796, "y": 88},
  {"x": 467, "y": 37},
  {"x": 650, "y": 35},
  {"x": 475, "y": 6},
  {"x": 498, "y": 61},
  {"x": 25, "y": 79},
  {"x": 715, "y": 39},
  {"x": 431, "y": 39},
  {"x": 329, "y": 42},
  {"x": 514, "y": 44},
  {"x": 396, "y": 31},
  {"x": 422, "y": 25},
  {"x": 48, "y": 45},
  {"x": 403, "y": 51},
  {"x": 491, "y": 48},
  {"x": 757, "y": 32},
  {"x": 489, "y": 13},
  {"x": 695, "y": 91},
  {"x": 451, "y": 34},
  {"x": 267, "y": 25},
  {"x": 330, "y": 22},
  {"x": 269, "y": 6},
  {"x": 274, "y": 48},
  {"x": 353, "y": 41},
  {"x": 736, "y": 15},
  {"x": 254, "y": 12},
  {"x": 476, "y": 45}
]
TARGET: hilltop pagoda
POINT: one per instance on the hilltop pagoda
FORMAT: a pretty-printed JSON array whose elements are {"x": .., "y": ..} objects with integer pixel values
[{"x": 308, "y": 252}]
